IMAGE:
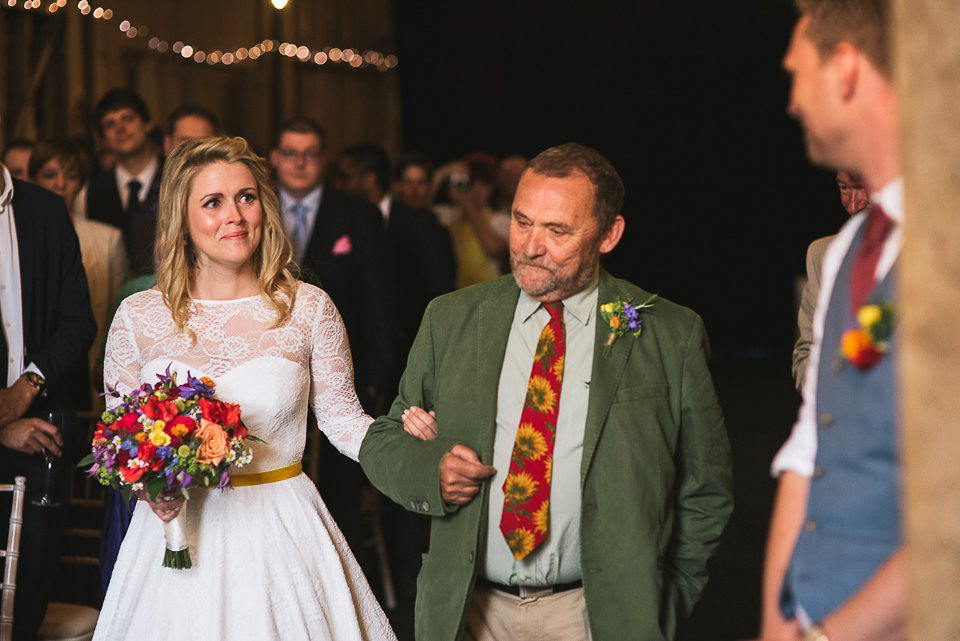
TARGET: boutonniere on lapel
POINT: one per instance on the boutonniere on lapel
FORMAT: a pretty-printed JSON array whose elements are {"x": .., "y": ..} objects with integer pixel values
[
  {"x": 864, "y": 346},
  {"x": 623, "y": 318}
]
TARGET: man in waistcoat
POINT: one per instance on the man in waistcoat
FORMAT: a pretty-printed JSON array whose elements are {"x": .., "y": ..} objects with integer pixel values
[{"x": 835, "y": 567}]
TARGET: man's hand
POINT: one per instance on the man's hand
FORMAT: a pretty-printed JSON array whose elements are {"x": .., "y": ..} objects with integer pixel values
[
  {"x": 29, "y": 435},
  {"x": 420, "y": 423},
  {"x": 15, "y": 400},
  {"x": 461, "y": 474}
]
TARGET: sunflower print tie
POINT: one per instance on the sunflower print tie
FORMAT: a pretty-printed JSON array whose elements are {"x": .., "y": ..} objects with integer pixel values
[{"x": 526, "y": 492}]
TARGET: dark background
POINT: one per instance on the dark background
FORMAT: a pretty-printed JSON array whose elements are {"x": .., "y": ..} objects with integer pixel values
[{"x": 688, "y": 101}]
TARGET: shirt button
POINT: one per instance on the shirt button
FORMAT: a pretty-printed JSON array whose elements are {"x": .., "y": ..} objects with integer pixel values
[
  {"x": 523, "y": 577},
  {"x": 826, "y": 419},
  {"x": 810, "y": 525},
  {"x": 470, "y": 556}
]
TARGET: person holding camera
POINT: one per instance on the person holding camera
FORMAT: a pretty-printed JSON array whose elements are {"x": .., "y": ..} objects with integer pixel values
[{"x": 479, "y": 233}]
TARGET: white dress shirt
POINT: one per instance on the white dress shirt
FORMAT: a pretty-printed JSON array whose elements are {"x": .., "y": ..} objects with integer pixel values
[
  {"x": 312, "y": 201},
  {"x": 10, "y": 303},
  {"x": 384, "y": 206},
  {"x": 799, "y": 453},
  {"x": 145, "y": 177}
]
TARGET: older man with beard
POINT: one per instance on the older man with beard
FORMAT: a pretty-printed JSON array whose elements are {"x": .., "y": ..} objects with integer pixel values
[{"x": 578, "y": 472}]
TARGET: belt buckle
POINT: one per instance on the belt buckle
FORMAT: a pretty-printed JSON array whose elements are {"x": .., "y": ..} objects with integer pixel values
[{"x": 534, "y": 592}]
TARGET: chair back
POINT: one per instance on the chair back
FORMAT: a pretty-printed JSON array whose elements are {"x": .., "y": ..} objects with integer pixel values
[{"x": 11, "y": 555}]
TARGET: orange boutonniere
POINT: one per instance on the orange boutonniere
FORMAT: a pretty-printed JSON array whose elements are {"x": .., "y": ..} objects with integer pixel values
[{"x": 865, "y": 345}]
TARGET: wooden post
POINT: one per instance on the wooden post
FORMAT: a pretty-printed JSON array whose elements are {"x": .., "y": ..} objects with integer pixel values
[{"x": 927, "y": 70}]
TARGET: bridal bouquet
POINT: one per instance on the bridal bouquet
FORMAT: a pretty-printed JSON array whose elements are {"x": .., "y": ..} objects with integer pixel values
[{"x": 165, "y": 438}]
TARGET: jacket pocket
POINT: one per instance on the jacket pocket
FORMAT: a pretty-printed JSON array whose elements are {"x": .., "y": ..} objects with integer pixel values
[{"x": 640, "y": 392}]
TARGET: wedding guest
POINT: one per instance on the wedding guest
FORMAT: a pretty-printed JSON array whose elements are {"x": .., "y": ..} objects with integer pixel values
[
  {"x": 509, "y": 170},
  {"x": 578, "y": 479},
  {"x": 412, "y": 181},
  {"x": 853, "y": 197},
  {"x": 422, "y": 267},
  {"x": 186, "y": 122},
  {"x": 16, "y": 157},
  {"x": 339, "y": 242},
  {"x": 126, "y": 196},
  {"x": 835, "y": 566},
  {"x": 479, "y": 232},
  {"x": 421, "y": 258},
  {"x": 46, "y": 329},
  {"x": 62, "y": 166}
]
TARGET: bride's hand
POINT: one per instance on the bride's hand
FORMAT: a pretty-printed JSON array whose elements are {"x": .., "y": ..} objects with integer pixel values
[
  {"x": 420, "y": 423},
  {"x": 166, "y": 507}
]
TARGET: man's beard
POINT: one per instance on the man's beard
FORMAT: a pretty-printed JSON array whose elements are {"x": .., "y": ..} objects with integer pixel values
[{"x": 554, "y": 286}]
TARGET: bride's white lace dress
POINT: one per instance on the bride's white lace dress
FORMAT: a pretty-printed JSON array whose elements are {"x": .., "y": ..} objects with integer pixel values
[{"x": 268, "y": 560}]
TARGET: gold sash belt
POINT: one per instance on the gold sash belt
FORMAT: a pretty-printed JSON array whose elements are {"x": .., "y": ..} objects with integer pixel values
[{"x": 282, "y": 474}]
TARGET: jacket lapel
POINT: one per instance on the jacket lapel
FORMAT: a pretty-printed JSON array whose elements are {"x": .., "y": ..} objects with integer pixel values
[
  {"x": 606, "y": 373},
  {"x": 493, "y": 328},
  {"x": 28, "y": 251}
]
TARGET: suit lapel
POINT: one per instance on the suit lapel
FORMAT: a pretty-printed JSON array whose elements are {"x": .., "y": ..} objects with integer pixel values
[
  {"x": 606, "y": 373},
  {"x": 494, "y": 319},
  {"x": 28, "y": 251}
]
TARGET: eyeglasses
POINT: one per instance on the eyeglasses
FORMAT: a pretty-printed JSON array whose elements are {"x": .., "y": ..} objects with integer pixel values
[{"x": 309, "y": 155}]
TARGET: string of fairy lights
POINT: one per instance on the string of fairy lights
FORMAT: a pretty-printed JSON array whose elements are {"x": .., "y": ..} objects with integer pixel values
[{"x": 351, "y": 57}]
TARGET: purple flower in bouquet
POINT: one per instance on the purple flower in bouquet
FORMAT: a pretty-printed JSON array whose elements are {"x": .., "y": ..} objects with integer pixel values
[{"x": 194, "y": 387}]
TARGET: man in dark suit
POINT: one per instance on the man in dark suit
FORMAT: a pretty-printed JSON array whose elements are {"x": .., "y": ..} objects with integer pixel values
[
  {"x": 47, "y": 328},
  {"x": 127, "y": 196},
  {"x": 338, "y": 240},
  {"x": 421, "y": 260}
]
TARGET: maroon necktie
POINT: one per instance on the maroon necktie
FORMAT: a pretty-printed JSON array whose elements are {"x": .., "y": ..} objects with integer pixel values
[{"x": 877, "y": 226}]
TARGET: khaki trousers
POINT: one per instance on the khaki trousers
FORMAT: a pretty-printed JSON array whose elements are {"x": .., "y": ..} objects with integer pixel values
[{"x": 498, "y": 616}]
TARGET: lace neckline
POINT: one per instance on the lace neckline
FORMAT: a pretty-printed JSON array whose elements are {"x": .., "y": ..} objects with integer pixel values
[{"x": 213, "y": 301}]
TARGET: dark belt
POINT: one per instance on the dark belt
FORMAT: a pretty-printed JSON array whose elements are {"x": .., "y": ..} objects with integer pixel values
[{"x": 525, "y": 591}]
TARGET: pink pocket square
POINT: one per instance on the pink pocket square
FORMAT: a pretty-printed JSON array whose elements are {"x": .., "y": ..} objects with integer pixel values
[{"x": 342, "y": 246}]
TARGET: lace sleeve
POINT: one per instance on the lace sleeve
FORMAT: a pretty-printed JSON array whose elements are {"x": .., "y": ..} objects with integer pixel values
[
  {"x": 332, "y": 391},
  {"x": 121, "y": 362}
]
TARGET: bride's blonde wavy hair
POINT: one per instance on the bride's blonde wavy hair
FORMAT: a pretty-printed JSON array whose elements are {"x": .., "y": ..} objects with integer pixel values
[{"x": 176, "y": 258}]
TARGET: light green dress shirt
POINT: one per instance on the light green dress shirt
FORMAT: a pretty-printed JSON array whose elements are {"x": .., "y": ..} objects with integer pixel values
[{"x": 557, "y": 559}]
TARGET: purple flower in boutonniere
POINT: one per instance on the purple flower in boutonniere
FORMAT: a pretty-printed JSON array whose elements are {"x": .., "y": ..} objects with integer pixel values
[{"x": 623, "y": 318}]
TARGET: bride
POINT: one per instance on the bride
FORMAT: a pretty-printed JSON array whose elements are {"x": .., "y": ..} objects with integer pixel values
[{"x": 268, "y": 560}]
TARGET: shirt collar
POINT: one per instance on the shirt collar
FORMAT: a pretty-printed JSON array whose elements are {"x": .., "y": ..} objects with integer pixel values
[
  {"x": 384, "y": 205},
  {"x": 582, "y": 305},
  {"x": 6, "y": 196},
  {"x": 145, "y": 177},
  {"x": 311, "y": 200},
  {"x": 890, "y": 198}
]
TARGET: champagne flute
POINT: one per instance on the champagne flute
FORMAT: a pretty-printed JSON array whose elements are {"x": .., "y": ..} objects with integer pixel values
[{"x": 52, "y": 415}]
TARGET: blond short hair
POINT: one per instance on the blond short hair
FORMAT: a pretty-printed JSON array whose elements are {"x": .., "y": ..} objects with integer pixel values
[{"x": 176, "y": 259}]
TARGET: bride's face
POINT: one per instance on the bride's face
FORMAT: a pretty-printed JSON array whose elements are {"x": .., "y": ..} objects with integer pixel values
[{"x": 223, "y": 215}]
